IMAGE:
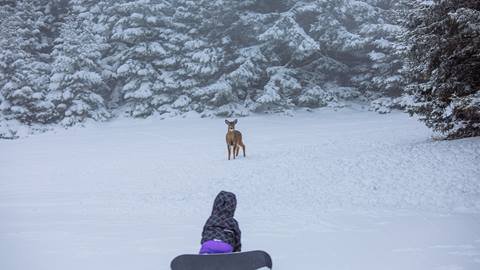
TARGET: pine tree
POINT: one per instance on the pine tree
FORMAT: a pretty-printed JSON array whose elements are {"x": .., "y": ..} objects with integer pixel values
[
  {"x": 77, "y": 84},
  {"x": 387, "y": 50},
  {"x": 367, "y": 38},
  {"x": 208, "y": 53},
  {"x": 287, "y": 42},
  {"x": 24, "y": 63},
  {"x": 445, "y": 67},
  {"x": 142, "y": 43}
]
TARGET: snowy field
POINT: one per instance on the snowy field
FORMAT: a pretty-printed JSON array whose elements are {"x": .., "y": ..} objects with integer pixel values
[{"x": 324, "y": 190}]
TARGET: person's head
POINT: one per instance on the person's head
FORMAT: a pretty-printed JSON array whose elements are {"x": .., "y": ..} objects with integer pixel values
[{"x": 225, "y": 204}]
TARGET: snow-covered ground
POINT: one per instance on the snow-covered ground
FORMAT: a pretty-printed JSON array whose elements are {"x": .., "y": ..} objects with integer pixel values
[{"x": 323, "y": 190}]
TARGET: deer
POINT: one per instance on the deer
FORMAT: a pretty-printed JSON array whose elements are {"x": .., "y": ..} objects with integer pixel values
[{"x": 234, "y": 139}]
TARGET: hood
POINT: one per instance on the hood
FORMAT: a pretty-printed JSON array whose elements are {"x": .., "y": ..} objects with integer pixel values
[{"x": 225, "y": 204}]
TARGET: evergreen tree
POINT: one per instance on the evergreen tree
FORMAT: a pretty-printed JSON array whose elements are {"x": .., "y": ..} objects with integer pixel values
[
  {"x": 445, "y": 67},
  {"x": 77, "y": 85},
  {"x": 24, "y": 63},
  {"x": 141, "y": 55},
  {"x": 208, "y": 55},
  {"x": 367, "y": 37}
]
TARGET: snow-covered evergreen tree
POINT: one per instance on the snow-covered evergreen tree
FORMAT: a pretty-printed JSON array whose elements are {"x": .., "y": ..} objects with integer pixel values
[
  {"x": 445, "y": 67},
  {"x": 24, "y": 64},
  {"x": 367, "y": 37},
  {"x": 387, "y": 50},
  {"x": 142, "y": 44},
  {"x": 210, "y": 54},
  {"x": 77, "y": 85}
]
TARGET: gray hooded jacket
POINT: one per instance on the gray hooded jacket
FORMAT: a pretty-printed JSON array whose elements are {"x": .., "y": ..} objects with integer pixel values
[{"x": 221, "y": 225}]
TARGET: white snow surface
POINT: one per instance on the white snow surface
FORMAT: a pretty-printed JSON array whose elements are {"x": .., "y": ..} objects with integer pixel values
[{"x": 322, "y": 190}]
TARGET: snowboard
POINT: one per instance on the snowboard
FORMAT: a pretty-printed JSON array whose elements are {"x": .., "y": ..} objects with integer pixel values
[{"x": 249, "y": 260}]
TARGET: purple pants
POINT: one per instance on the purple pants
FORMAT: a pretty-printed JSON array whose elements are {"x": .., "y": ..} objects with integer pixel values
[{"x": 213, "y": 247}]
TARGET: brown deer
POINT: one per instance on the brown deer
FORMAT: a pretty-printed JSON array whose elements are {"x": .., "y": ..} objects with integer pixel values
[{"x": 234, "y": 139}]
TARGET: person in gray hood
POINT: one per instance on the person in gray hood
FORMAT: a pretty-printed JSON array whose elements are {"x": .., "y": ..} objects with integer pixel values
[{"x": 221, "y": 233}]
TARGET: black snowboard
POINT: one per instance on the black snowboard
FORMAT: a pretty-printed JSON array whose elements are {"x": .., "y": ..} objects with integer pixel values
[{"x": 250, "y": 260}]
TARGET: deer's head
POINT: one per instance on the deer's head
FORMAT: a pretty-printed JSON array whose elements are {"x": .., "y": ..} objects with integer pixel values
[{"x": 231, "y": 125}]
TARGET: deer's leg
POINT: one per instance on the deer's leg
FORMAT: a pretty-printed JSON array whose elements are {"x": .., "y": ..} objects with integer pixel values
[
  {"x": 243, "y": 148},
  {"x": 228, "y": 148},
  {"x": 238, "y": 150},
  {"x": 234, "y": 149}
]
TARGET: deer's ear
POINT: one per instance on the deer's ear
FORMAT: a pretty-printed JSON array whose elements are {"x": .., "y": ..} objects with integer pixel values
[
  {"x": 226, "y": 121},
  {"x": 235, "y": 121}
]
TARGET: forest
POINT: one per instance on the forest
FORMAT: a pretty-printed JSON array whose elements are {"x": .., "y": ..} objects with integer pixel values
[{"x": 65, "y": 62}]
